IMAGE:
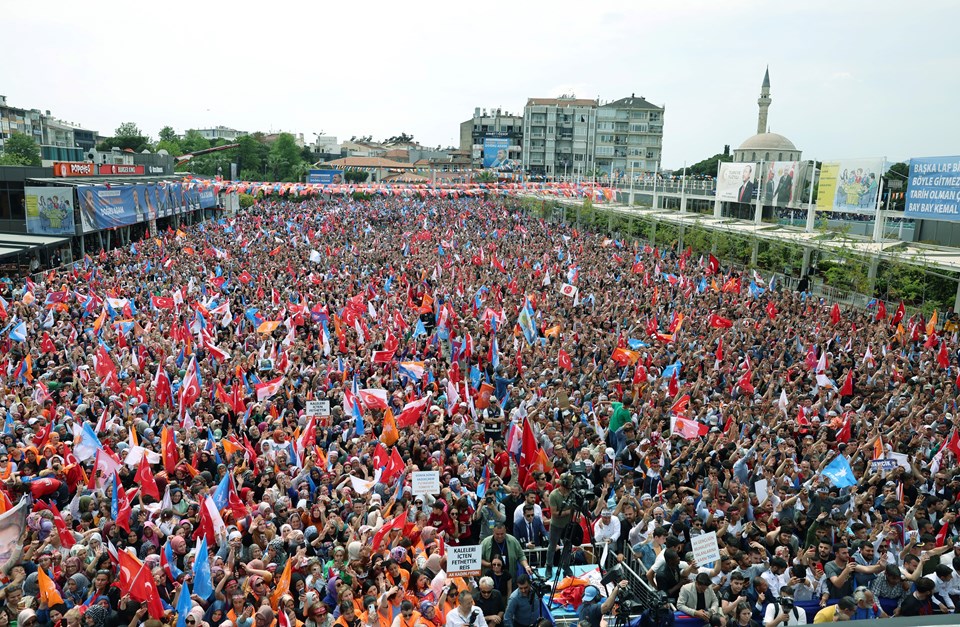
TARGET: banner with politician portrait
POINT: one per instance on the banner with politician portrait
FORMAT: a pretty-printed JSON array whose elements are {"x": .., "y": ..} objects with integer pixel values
[
  {"x": 850, "y": 185},
  {"x": 736, "y": 182},
  {"x": 785, "y": 183},
  {"x": 108, "y": 207}
]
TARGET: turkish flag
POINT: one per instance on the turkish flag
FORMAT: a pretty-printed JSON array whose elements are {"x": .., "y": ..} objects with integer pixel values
[
  {"x": 66, "y": 537},
  {"x": 245, "y": 277},
  {"x": 46, "y": 344},
  {"x": 144, "y": 478},
  {"x": 673, "y": 387},
  {"x": 564, "y": 360},
  {"x": 393, "y": 467},
  {"x": 835, "y": 314},
  {"x": 411, "y": 412},
  {"x": 953, "y": 444},
  {"x": 745, "y": 382},
  {"x": 395, "y": 524},
  {"x": 383, "y": 357},
  {"x": 942, "y": 534},
  {"x": 898, "y": 315},
  {"x": 528, "y": 451},
  {"x": 881, "y": 311},
  {"x": 380, "y": 456},
  {"x": 844, "y": 434},
  {"x": 772, "y": 310},
  {"x": 162, "y": 388},
  {"x": 943, "y": 358},
  {"x": 123, "y": 508},
  {"x": 719, "y": 322},
  {"x": 681, "y": 406},
  {"x": 373, "y": 398},
  {"x": 847, "y": 388},
  {"x": 713, "y": 265}
]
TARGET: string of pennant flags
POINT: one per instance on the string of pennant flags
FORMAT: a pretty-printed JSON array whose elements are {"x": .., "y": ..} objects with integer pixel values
[{"x": 418, "y": 190}]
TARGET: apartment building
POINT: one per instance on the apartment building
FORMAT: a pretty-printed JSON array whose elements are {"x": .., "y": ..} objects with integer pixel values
[
  {"x": 559, "y": 136},
  {"x": 629, "y": 137}
]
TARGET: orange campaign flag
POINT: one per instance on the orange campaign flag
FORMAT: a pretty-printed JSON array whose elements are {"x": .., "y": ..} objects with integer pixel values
[
  {"x": 483, "y": 398},
  {"x": 48, "y": 591},
  {"x": 624, "y": 356},
  {"x": 390, "y": 435},
  {"x": 553, "y": 331},
  {"x": 932, "y": 325},
  {"x": 283, "y": 585}
]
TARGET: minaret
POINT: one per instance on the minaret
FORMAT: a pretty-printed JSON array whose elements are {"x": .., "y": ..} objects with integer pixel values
[{"x": 764, "y": 102}]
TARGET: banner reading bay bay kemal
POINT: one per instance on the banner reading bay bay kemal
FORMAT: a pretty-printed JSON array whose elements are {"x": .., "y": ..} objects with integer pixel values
[{"x": 933, "y": 188}]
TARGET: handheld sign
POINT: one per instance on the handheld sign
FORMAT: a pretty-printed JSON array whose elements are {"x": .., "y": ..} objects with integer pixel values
[
  {"x": 318, "y": 408},
  {"x": 705, "y": 548},
  {"x": 463, "y": 561},
  {"x": 425, "y": 482}
]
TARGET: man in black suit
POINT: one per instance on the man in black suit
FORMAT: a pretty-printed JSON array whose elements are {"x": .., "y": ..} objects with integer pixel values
[
  {"x": 529, "y": 530},
  {"x": 746, "y": 186}
]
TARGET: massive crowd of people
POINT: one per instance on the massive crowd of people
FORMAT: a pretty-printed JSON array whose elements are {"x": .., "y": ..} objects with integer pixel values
[{"x": 165, "y": 459}]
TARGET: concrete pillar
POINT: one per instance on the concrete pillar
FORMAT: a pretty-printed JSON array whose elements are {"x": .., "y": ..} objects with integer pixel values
[
  {"x": 811, "y": 217},
  {"x": 872, "y": 275},
  {"x": 717, "y": 210},
  {"x": 683, "y": 202},
  {"x": 878, "y": 225},
  {"x": 755, "y": 250},
  {"x": 805, "y": 267},
  {"x": 630, "y": 197}
]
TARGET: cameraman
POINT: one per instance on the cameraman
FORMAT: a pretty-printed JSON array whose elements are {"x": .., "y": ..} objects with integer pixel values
[
  {"x": 594, "y": 608},
  {"x": 524, "y": 607},
  {"x": 561, "y": 515},
  {"x": 784, "y": 612}
]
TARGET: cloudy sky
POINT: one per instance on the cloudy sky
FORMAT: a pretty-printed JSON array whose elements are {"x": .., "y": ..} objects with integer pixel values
[{"x": 850, "y": 78}]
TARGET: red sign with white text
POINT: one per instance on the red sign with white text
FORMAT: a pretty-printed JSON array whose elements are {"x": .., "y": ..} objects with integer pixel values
[
  {"x": 74, "y": 168},
  {"x": 113, "y": 169}
]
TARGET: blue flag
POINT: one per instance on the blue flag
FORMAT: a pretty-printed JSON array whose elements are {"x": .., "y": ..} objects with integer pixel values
[
  {"x": 184, "y": 604},
  {"x": 202, "y": 579},
  {"x": 839, "y": 473}
]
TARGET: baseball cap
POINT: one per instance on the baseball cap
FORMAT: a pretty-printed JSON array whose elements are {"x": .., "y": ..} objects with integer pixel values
[{"x": 590, "y": 594}]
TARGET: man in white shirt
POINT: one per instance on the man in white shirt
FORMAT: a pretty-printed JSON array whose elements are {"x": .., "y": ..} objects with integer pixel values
[
  {"x": 530, "y": 498},
  {"x": 945, "y": 584},
  {"x": 466, "y": 615},
  {"x": 776, "y": 577},
  {"x": 783, "y": 611},
  {"x": 607, "y": 528}
]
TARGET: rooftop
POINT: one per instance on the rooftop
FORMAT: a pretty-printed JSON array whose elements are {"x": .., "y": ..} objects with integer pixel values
[
  {"x": 561, "y": 102},
  {"x": 632, "y": 102}
]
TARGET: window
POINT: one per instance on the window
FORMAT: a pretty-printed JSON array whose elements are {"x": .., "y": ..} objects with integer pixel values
[
  {"x": 780, "y": 158},
  {"x": 638, "y": 128},
  {"x": 549, "y": 130},
  {"x": 638, "y": 115},
  {"x": 654, "y": 116},
  {"x": 604, "y": 151}
]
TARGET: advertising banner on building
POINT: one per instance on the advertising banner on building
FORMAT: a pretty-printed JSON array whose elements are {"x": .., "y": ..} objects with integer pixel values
[
  {"x": 325, "y": 177},
  {"x": 785, "y": 183},
  {"x": 737, "y": 182},
  {"x": 49, "y": 210},
  {"x": 177, "y": 202},
  {"x": 113, "y": 169},
  {"x": 850, "y": 185},
  {"x": 74, "y": 168},
  {"x": 496, "y": 152},
  {"x": 933, "y": 188},
  {"x": 208, "y": 198},
  {"x": 103, "y": 207}
]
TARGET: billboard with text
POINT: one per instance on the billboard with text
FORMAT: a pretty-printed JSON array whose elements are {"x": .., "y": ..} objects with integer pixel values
[
  {"x": 736, "y": 182},
  {"x": 933, "y": 188},
  {"x": 850, "y": 185},
  {"x": 496, "y": 152},
  {"x": 325, "y": 177},
  {"x": 49, "y": 210}
]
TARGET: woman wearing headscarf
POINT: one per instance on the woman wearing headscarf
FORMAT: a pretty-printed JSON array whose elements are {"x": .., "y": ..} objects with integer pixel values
[
  {"x": 96, "y": 616},
  {"x": 216, "y": 614}
]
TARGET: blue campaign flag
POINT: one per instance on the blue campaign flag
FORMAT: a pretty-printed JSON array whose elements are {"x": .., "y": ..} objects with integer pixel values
[
  {"x": 635, "y": 344},
  {"x": 671, "y": 369},
  {"x": 184, "y": 604},
  {"x": 475, "y": 377},
  {"x": 221, "y": 496},
  {"x": 114, "y": 503},
  {"x": 755, "y": 290},
  {"x": 420, "y": 329},
  {"x": 202, "y": 579},
  {"x": 839, "y": 473},
  {"x": 19, "y": 332},
  {"x": 702, "y": 286}
]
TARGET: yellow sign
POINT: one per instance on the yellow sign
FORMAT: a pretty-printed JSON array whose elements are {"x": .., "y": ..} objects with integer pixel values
[{"x": 827, "y": 191}]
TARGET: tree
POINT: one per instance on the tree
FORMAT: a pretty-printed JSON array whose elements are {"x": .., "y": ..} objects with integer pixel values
[
  {"x": 172, "y": 147},
  {"x": 127, "y": 137},
  {"x": 708, "y": 167},
  {"x": 251, "y": 154},
  {"x": 20, "y": 149},
  {"x": 167, "y": 134},
  {"x": 284, "y": 157},
  {"x": 355, "y": 176},
  {"x": 194, "y": 141}
]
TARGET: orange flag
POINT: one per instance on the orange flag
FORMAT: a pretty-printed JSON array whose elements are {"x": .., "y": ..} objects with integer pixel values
[
  {"x": 48, "y": 591},
  {"x": 390, "y": 435},
  {"x": 283, "y": 585}
]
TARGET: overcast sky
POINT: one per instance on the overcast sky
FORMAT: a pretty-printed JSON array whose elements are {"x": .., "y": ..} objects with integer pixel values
[{"x": 850, "y": 78}]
